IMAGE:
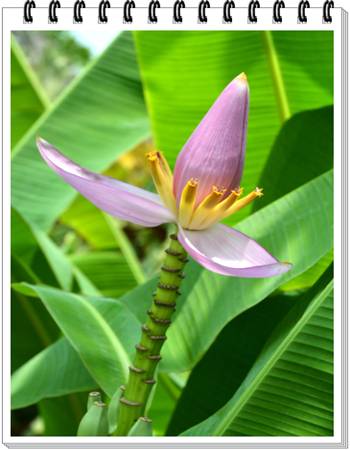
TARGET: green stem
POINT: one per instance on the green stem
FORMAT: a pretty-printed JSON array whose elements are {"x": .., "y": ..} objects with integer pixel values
[
  {"x": 277, "y": 78},
  {"x": 134, "y": 396}
]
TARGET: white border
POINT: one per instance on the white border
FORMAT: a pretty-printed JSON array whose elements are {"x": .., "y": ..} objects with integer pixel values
[{"x": 13, "y": 20}]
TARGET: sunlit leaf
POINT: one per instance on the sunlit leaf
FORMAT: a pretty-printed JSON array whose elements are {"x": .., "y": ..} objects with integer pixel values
[{"x": 101, "y": 115}]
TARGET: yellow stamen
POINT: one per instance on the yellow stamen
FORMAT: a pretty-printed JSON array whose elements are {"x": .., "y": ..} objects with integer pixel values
[
  {"x": 164, "y": 164},
  {"x": 205, "y": 207},
  {"x": 187, "y": 201},
  {"x": 162, "y": 178},
  {"x": 242, "y": 202},
  {"x": 218, "y": 210}
]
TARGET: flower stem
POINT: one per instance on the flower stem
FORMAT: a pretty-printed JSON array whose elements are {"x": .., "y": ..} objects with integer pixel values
[{"x": 134, "y": 396}]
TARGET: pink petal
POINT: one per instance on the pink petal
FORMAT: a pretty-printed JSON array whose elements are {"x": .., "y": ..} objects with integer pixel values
[
  {"x": 119, "y": 199},
  {"x": 224, "y": 250},
  {"x": 214, "y": 153}
]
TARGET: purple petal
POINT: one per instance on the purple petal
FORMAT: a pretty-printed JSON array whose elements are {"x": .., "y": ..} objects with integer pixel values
[
  {"x": 214, "y": 154},
  {"x": 119, "y": 199},
  {"x": 224, "y": 250}
]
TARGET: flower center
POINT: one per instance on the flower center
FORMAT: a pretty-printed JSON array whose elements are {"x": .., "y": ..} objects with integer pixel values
[{"x": 213, "y": 208}]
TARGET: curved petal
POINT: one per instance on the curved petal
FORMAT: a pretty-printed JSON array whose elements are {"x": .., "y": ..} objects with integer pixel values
[
  {"x": 119, "y": 199},
  {"x": 224, "y": 250},
  {"x": 214, "y": 153}
]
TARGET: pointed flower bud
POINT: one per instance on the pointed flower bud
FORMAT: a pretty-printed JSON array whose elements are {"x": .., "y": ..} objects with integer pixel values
[{"x": 214, "y": 153}]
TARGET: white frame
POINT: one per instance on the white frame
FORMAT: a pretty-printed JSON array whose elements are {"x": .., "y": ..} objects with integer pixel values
[{"x": 12, "y": 19}]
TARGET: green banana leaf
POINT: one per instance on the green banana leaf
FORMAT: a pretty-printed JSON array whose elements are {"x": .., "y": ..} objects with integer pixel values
[
  {"x": 108, "y": 361},
  {"x": 302, "y": 150},
  {"x": 55, "y": 371},
  {"x": 89, "y": 223},
  {"x": 108, "y": 271},
  {"x": 37, "y": 259},
  {"x": 289, "y": 389},
  {"x": 99, "y": 116},
  {"x": 32, "y": 327},
  {"x": 42, "y": 259},
  {"x": 227, "y": 362}
]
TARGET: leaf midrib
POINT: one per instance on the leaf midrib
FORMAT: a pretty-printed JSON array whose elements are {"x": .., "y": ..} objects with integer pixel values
[{"x": 277, "y": 77}]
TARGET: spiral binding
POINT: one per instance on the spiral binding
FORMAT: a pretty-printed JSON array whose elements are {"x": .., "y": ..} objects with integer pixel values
[
  {"x": 251, "y": 11},
  {"x": 276, "y": 15},
  {"x": 301, "y": 11},
  {"x": 102, "y": 17},
  {"x": 53, "y": 6},
  {"x": 177, "y": 18},
  {"x": 203, "y": 5},
  {"x": 328, "y": 4},
  {"x": 228, "y": 5},
  {"x": 27, "y": 11},
  {"x": 152, "y": 17},
  {"x": 78, "y": 5},
  {"x": 127, "y": 17}
]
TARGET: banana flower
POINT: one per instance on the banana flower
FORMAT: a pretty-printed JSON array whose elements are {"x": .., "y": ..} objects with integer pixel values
[{"x": 204, "y": 190}]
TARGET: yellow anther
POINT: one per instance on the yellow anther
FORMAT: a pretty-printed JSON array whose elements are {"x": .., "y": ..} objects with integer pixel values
[
  {"x": 219, "y": 209},
  {"x": 239, "y": 204},
  {"x": 204, "y": 208},
  {"x": 187, "y": 201},
  {"x": 162, "y": 177},
  {"x": 229, "y": 200}
]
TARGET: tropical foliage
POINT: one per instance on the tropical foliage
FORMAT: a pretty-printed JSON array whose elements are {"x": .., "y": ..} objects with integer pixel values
[{"x": 244, "y": 357}]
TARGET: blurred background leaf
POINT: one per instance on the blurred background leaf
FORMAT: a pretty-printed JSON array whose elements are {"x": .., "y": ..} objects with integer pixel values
[
  {"x": 61, "y": 416},
  {"x": 108, "y": 100},
  {"x": 107, "y": 270},
  {"x": 55, "y": 57},
  {"x": 28, "y": 99}
]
